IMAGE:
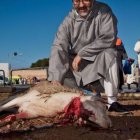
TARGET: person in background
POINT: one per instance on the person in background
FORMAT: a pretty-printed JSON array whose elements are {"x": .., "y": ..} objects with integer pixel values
[
  {"x": 84, "y": 53},
  {"x": 131, "y": 78},
  {"x": 127, "y": 65},
  {"x": 122, "y": 55},
  {"x": 129, "y": 70},
  {"x": 137, "y": 50}
]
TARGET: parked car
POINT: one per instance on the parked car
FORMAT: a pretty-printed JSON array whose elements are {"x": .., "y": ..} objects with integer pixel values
[{"x": 2, "y": 80}]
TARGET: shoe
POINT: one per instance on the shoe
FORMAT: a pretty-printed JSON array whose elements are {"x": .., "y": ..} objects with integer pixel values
[
  {"x": 117, "y": 107},
  {"x": 137, "y": 90}
]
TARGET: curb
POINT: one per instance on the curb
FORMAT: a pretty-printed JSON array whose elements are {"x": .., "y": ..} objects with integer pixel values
[{"x": 126, "y": 95}]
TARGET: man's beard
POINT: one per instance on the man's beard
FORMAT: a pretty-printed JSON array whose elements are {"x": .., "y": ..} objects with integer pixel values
[{"x": 84, "y": 13}]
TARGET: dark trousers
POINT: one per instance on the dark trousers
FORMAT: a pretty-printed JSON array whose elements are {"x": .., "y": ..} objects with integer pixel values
[{"x": 69, "y": 81}]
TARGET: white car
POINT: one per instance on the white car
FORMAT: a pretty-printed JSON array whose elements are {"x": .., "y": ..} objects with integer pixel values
[{"x": 2, "y": 80}]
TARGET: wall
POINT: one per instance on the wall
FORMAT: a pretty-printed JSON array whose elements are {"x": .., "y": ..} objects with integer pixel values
[{"x": 40, "y": 73}]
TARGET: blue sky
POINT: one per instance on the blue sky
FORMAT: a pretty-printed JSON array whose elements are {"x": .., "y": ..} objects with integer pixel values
[{"x": 29, "y": 26}]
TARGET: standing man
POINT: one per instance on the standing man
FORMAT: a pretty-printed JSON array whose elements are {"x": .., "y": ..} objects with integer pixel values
[
  {"x": 84, "y": 50},
  {"x": 137, "y": 50},
  {"x": 122, "y": 55}
]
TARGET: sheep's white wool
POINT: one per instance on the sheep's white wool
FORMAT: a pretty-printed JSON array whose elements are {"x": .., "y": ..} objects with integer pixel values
[{"x": 36, "y": 103}]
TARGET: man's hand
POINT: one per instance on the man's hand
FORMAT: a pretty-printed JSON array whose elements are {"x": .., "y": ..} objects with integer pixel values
[
  {"x": 56, "y": 83},
  {"x": 76, "y": 62}
]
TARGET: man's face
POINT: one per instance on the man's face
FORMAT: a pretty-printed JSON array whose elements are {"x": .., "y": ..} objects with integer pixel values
[{"x": 83, "y": 7}]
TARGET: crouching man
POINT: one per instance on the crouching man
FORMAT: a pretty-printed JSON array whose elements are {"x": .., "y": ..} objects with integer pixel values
[{"x": 84, "y": 50}]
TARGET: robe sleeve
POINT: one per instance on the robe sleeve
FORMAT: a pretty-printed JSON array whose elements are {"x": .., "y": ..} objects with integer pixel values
[{"x": 59, "y": 62}]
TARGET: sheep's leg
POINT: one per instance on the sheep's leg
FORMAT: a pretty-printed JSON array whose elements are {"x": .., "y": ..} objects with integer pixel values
[{"x": 13, "y": 117}]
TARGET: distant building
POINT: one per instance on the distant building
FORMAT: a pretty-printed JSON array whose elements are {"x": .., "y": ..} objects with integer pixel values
[
  {"x": 6, "y": 68},
  {"x": 30, "y": 73}
]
